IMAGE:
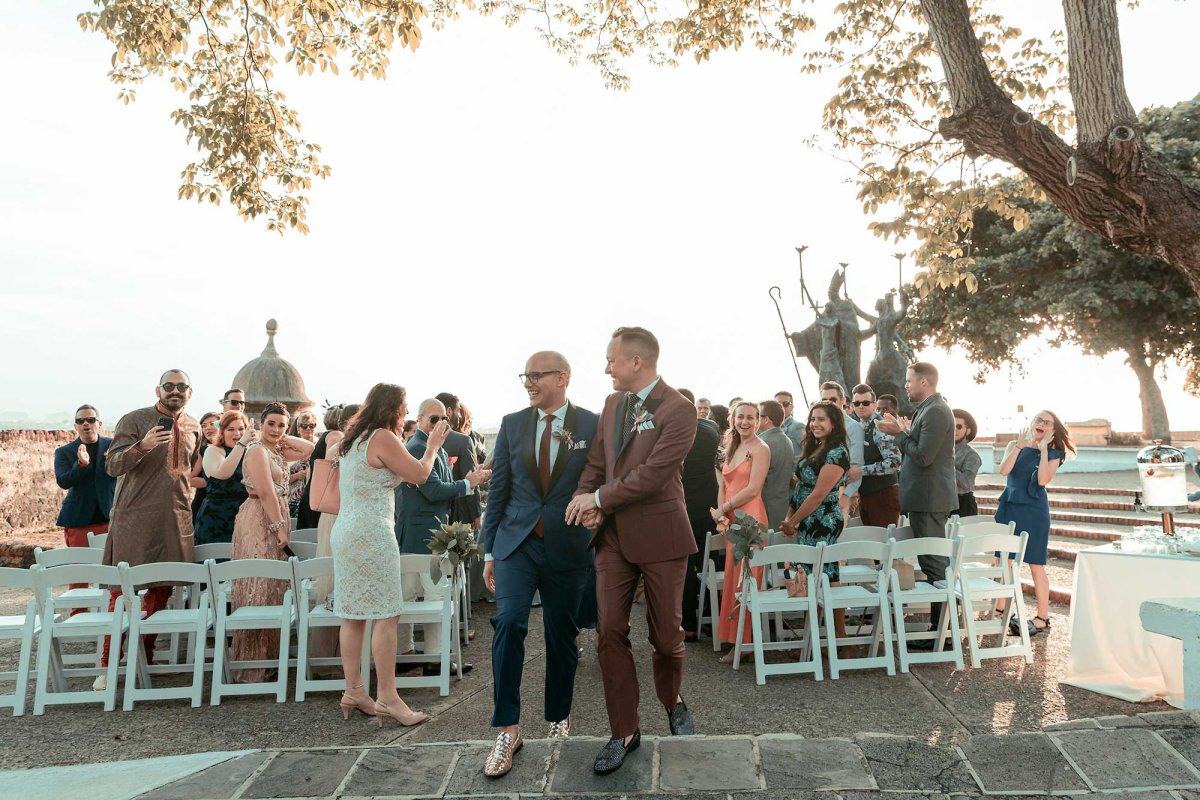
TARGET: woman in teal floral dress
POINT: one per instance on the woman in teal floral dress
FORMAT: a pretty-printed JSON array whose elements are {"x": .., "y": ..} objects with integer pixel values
[{"x": 816, "y": 517}]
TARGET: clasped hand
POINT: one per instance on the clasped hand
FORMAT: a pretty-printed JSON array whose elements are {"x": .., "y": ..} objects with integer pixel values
[
  {"x": 892, "y": 425},
  {"x": 582, "y": 510}
]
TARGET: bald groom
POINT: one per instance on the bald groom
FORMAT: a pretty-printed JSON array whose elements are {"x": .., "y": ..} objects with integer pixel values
[{"x": 539, "y": 455}]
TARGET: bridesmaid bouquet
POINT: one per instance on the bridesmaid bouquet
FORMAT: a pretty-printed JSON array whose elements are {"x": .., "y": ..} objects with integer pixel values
[
  {"x": 455, "y": 543},
  {"x": 745, "y": 534}
]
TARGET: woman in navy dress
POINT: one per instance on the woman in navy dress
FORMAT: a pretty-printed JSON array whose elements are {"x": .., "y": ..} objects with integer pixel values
[
  {"x": 1029, "y": 465},
  {"x": 223, "y": 471}
]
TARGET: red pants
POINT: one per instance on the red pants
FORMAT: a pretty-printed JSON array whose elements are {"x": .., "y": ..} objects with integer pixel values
[
  {"x": 881, "y": 508},
  {"x": 77, "y": 537},
  {"x": 155, "y": 599}
]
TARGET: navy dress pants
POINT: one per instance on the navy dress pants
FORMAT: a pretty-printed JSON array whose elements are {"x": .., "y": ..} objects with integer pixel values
[{"x": 525, "y": 571}]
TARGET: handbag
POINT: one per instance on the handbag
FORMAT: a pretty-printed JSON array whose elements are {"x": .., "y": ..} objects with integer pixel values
[
  {"x": 905, "y": 573},
  {"x": 796, "y": 586},
  {"x": 325, "y": 496}
]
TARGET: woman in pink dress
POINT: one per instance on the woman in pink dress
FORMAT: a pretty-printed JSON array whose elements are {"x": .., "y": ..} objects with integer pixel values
[{"x": 747, "y": 459}]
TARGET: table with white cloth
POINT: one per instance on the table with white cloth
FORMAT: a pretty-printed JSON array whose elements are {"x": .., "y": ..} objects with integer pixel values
[{"x": 1110, "y": 651}]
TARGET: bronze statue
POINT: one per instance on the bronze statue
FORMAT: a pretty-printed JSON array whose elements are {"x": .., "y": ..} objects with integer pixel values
[
  {"x": 832, "y": 344},
  {"x": 886, "y": 372}
]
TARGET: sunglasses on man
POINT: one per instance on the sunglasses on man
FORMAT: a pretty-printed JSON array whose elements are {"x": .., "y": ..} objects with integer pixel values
[
  {"x": 236, "y": 402},
  {"x": 435, "y": 419},
  {"x": 861, "y": 403},
  {"x": 86, "y": 420},
  {"x": 307, "y": 426},
  {"x": 175, "y": 387}
]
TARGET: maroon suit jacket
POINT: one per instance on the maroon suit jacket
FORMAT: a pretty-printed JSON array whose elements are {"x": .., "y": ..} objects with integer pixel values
[{"x": 640, "y": 485}]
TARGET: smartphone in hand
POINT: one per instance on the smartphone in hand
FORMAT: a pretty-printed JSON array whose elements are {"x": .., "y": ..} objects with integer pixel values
[{"x": 166, "y": 423}]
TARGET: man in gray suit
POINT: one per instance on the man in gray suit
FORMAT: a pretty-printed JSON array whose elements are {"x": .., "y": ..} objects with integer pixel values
[
  {"x": 928, "y": 494},
  {"x": 778, "y": 486}
]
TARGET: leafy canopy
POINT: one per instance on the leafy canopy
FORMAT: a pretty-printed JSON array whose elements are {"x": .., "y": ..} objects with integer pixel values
[
  {"x": 1051, "y": 277},
  {"x": 222, "y": 56}
]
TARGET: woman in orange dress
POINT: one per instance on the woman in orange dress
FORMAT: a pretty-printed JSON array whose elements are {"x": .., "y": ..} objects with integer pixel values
[{"x": 747, "y": 459}]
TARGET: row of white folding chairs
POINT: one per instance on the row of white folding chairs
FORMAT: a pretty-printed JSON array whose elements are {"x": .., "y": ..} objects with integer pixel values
[
  {"x": 48, "y": 620},
  {"x": 963, "y": 590}
]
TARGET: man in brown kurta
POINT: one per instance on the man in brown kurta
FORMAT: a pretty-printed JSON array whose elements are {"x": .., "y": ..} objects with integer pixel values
[{"x": 151, "y": 519}]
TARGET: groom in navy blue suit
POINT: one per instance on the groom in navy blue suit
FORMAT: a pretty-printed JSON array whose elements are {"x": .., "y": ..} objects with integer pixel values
[{"x": 537, "y": 460}]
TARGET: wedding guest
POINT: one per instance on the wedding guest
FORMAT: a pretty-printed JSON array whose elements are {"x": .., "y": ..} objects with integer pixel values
[
  {"x": 209, "y": 424},
  {"x": 262, "y": 529},
  {"x": 778, "y": 486},
  {"x": 223, "y": 471},
  {"x": 152, "y": 452},
  {"x": 833, "y": 392},
  {"x": 928, "y": 493},
  {"x": 966, "y": 462},
  {"x": 305, "y": 516},
  {"x": 366, "y": 556},
  {"x": 233, "y": 400},
  {"x": 422, "y": 507},
  {"x": 704, "y": 408},
  {"x": 465, "y": 426},
  {"x": 816, "y": 515},
  {"x": 733, "y": 404},
  {"x": 468, "y": 508},
  {"x": 747, "y": 461},
  {"x": 879, "y": 502},
  {"x": 1030, "y": 464},
  {"x": 323, "y": 641},
  {"x": 699, "y": 495},
  {"x": 790, "y": 427},
  {"x": 888, "y": 404},
  {"x": 79, "y": 468},
  {"x": 410, "y": 426},
  {"x": 303, "y": 426}
]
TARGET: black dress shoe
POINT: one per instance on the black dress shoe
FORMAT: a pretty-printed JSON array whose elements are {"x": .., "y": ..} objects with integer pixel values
[
  {"x": 921, "y": 645},
  {"x": 613, "y": 755},
  {"x": 429, "y": 670},
  {"x": 680, "y": 720}
]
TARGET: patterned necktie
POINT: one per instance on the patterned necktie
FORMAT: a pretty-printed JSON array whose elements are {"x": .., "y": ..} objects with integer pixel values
[{"x": 631, "y": 400}]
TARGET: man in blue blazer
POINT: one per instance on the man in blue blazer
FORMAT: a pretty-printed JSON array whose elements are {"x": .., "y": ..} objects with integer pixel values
[
  {"x": 421, "y": 509},
  {"x": 79, "y": 468},
  {"x": 538, "y": 457}
]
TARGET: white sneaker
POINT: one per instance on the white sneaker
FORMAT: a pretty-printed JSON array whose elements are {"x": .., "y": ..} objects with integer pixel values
[{"x": 101, "y": 683}]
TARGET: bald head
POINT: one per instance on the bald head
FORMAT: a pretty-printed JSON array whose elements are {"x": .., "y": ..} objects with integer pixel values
[
  {"x": 429, "y": 413},
  {"x": 547, "y": 375}
]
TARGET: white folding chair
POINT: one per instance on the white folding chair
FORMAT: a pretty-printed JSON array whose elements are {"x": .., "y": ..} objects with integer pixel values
[
  {"x": 924, "y": 592},
  {"x": 22, "y": 627},
  {"x": 764, "y": 602},
  {"x": 830, "y": 598},
  {"x": 97, "y": 540},
  {"x": 982, "y": 588},
  {"x": 436, "y": 606},
  {"x": 303, "y": 535},
  {"x": 972, "y": 519},
  {"x": 853, "y": 522},
  {"x": 982, "y": 564},
  {"x": 712, "y": 580},
  {"x": 193, "y": 621},
  {"x": 309, "y": 616},
  {"x": 462, "y": 604},
  {"x": 62, "y": 556},
  {"x": 88, "y": 624},
  {"x": 216, "y": 551},
  {"x": 303, "y": 550},
  {"x": 274, "y": 617},
  {"x": 861, "y": 571}
]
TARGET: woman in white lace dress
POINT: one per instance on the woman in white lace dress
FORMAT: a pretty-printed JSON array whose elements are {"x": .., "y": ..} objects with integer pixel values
[{"x": 366, "y": 557}]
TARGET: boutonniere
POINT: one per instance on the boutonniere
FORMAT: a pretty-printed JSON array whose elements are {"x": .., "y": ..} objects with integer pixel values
[
  {"x": 566, "y": 440},
  {"x": 643, "y": 420}
]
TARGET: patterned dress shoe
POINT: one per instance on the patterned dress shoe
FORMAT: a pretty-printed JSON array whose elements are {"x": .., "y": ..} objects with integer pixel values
[
  {"x": 613, "y": 755},
  {"x": 680, "y": 720},
  {"x": 500, "y": 759},
  {"x": 560, "y": 730}
]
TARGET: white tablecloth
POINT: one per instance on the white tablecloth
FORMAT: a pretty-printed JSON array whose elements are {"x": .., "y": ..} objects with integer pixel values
[{"x": 1110, "y": 652}]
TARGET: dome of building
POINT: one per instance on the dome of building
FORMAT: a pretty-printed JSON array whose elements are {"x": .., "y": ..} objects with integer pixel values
[{"x": 271, "y": 379}]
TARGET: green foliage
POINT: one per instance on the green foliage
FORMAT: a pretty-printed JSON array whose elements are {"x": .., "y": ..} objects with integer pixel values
[
  {"x": 1051, "y": 277},
  {"x": 456, "y": 544}
]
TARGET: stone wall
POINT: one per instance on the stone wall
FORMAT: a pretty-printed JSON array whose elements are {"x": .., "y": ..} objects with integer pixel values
[{"x": 29, "y": 497}]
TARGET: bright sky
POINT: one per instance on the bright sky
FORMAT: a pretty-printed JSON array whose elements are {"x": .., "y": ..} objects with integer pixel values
[{"x": 487, "y": 200}]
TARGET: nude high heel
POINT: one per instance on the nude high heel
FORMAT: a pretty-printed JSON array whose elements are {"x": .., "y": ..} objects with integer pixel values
[
  {"x": 406, "y": 718},
  {"x": 348, "y": 703}
]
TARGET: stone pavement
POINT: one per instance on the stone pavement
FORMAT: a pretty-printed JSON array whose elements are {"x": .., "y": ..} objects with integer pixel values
[{"x": 1152, "y": 756}]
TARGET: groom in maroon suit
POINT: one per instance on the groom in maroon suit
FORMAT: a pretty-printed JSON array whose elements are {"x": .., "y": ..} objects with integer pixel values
[{"x": 631, "y": 496}]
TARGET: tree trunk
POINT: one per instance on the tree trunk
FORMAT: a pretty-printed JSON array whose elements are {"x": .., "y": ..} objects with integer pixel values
[
  {"x": 1154, "y": 411},
  {"x": 1119, "y": 190}
]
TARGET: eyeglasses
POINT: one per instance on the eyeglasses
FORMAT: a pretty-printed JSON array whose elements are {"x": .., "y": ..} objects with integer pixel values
[
  {"x": 861, "y": 403},
  {"x": 534, "y": 377},
  {"x": 435, "y": 419},
  {"x": 235, "y": 402},
  {"x": 213, "y": 423},
  {"x": 785, "y": 404},
  {"x": 308, "y": 426},
  {"x": 175, "y": 387},
  {"x": 86, "y": 420},
  {"x": 1042, "y": 421},
  {"x": 958, "y": 426}
]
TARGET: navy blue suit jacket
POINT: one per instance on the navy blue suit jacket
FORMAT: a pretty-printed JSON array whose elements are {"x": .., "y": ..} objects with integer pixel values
[
  {"x": 515, "y": 500},
  {"x": 86, "y": 487},
  {"x": 421, "y": 509}
]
